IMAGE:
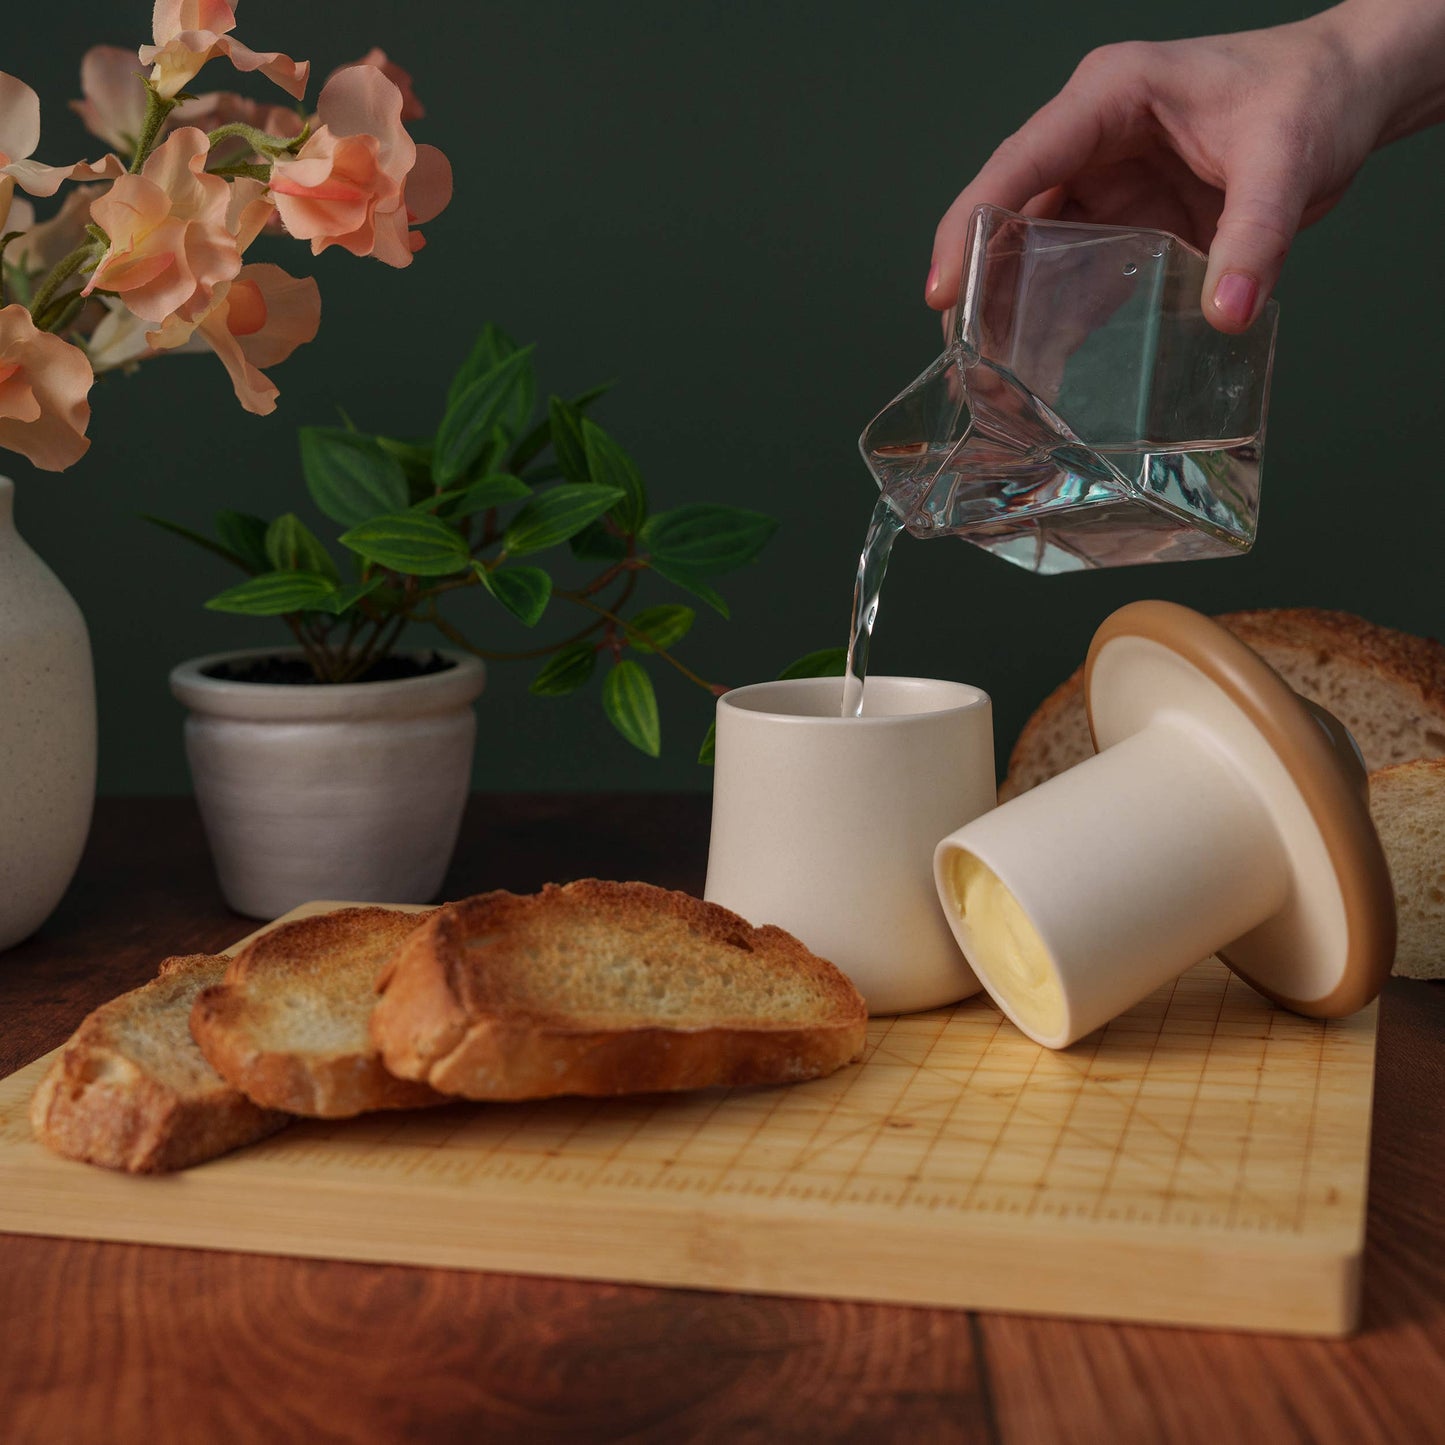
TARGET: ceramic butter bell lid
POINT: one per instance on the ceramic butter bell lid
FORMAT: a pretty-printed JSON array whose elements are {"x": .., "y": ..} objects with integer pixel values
[{"x": 1222, "y": 814}]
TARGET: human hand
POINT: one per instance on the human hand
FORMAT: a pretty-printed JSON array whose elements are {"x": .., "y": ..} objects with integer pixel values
[{"x": 1233, "y": 142}]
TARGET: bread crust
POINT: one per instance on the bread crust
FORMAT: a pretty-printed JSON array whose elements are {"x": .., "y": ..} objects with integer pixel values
[
  {"x": 100, "y": 1102},
  {"x": 1056, "y": 734},
  {"x": 444, "y": 1017},
  {"x": 244, "y": 1024}
]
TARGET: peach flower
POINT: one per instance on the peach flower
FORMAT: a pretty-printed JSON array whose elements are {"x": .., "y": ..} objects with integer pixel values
[
  {"x": 51, "y": 240},
  {"x": 119, "y": 339},
  {"x": 255, "y": 321},
  {"x": 360, "y": 180},
  {"x": 44, "y": 382},
  {"x": 114, "y": 107},
  {"x": 188, "y": 33},
  {"x": 170, "y": 242},
  {"x": 20, "y": 134},
  {"x": 411, "y": 107},
  {"x": 14, "y": 215}
]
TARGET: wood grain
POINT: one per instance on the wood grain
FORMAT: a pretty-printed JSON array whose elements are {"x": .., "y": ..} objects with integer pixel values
[
  {"x": 127, "y": 1343},
  {"x": 1202, "y": 1160}
]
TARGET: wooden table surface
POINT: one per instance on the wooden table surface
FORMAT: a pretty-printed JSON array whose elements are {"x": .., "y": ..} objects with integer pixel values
[{"x": 129, "y": 1343}]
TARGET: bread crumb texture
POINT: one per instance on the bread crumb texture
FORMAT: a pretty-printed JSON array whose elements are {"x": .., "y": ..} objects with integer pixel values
[{"x": 1408, "y": 805}]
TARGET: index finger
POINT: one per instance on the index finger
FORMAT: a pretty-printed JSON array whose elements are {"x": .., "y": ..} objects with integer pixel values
[{"x": 1052, "y": 146}]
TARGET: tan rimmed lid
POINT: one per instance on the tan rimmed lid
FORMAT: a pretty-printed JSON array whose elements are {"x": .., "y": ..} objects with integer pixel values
[{"x": 1328, "y": 951}]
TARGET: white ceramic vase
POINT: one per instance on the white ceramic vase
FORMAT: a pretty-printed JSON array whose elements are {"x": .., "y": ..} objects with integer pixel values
[
  {"x": 47, "y": 733},
  {"x": 350, "y": 791}
]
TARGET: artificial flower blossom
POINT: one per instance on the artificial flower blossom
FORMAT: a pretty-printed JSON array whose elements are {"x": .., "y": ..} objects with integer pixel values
[
  {"x": 114, "y": 107},
  {"x": 411, "y": 107},
  {"x": 255, "y": 321},
  {"x": 14, "y": 215},
  {"x": 151, "y": 261},
  {"x": 20, "y": 134},
  {"x": 360, "y": 181},
  {"x": 188, "y": 33},
  {"x": 172, "y": 241},
  {"x": 44, "y": 383},
  {"x": 44, "y": 243}
]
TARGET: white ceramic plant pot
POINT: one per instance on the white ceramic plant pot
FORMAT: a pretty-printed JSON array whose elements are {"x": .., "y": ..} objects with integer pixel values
[
  {"x": 47, "y": 734},
  {"x": 349, "y": 791}
]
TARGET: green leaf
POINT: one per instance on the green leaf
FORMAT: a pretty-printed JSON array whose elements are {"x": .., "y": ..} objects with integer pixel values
[
  {"x": 706, "y": 539},
  {"x": 659, "y": 627},
  {"x": 201, "y": 540},
  {"x": 468, "y": 428},
  {"x": 343, "y": 599},
  {"x": 410, "y": 542},
  {"x": 707, "y": 753},
  {"x": 535, "y": 442},
  {"x": 631, "y": 705},
  {"x": 351, "y": 478},
  {"x": 567, "y": 442},
  {"x": 552, "y": 517},
  {"x": 493, "y": 345},
  {"x": 566, "y": 671},
  {"x": 595, "y": 543},
  {"x": 275, "y": 593},
  {"x": 689, "y": 581},
  {"x": 415, "y": 460},
  {"x": 610, "y": 466},
  {"x": 293, "y": 547},
  {"x": 245, "y": 535},
  {"x": 495, "y": 490},
  {"x": 523, "y": 591},
  {"x": 826, "y": 662}
]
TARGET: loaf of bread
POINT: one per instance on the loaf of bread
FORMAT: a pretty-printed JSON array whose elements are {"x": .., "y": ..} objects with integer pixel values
[
  {"x": 1387, "y": 687},
  {"x": 1407, "y": 802},
  {"x": 131, "y": 1090},
  {"x": 288, "y": 1024},
  {"x": 608, "y": 988}
]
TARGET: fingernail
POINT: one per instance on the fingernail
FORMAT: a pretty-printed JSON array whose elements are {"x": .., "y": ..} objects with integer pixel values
[
  {"x": 931, "y": 285},
  {"x": 1234, "y": 297}
]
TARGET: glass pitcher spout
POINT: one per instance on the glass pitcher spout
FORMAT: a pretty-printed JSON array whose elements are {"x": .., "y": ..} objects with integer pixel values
[{"x": 1084, "y": 413}]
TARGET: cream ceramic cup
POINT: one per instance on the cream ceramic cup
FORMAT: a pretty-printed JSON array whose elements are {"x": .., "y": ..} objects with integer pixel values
[{"x": 826, "y": 825}]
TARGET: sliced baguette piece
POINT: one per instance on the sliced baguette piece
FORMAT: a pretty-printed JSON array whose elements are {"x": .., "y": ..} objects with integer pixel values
[
  {"x": 131, "y": 1090},
  {"x": 1387, "y": 687},
  {"x": 1408, "y": 806},
  {"x": 608, "y": 988},
  {"x": 288, "y": 1024}
]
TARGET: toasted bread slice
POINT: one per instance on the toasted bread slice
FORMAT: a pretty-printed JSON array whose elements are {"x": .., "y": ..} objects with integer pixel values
[
  {"x": 608, "y": 988},
  {"x": 1408, "y": 806},
  {"x": 288, "y": 1024},
  {"x": 131, "y": 1090},
  {"x": 1387, "y": 687}
]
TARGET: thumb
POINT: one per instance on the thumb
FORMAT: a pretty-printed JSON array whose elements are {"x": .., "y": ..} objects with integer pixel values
[{"x": 1264, "y": 199}]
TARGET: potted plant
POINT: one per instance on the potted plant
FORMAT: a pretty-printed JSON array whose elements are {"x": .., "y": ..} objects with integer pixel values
[
  {"x": 338, "y": 767},
  {"x": 150, "y": 252}
]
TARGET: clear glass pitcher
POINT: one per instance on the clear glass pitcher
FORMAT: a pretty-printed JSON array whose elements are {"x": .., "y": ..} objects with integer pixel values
[{"x": 1084, "y": 414}]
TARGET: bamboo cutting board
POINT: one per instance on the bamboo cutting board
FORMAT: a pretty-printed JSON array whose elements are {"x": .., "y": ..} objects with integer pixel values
[{"x": 1202, "y": 1160}]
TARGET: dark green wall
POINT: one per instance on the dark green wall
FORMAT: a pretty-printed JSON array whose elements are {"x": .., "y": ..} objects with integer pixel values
[{"x": 729, "y": 206}]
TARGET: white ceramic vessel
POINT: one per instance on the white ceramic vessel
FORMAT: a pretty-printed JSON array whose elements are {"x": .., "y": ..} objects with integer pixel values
[
  {"x": 47, "y": 733},
  {"x": 1221, "y": 814},
  {"x": 348, "y": 791},
  {"x": 826, "y": 825}
]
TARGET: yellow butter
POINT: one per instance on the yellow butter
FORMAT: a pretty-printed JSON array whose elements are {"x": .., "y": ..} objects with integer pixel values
[{"x": 1006, "y": 949}]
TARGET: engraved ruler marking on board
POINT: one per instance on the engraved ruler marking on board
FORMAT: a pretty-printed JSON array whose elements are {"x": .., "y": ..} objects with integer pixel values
[{"x": 1199, "y": 1108}]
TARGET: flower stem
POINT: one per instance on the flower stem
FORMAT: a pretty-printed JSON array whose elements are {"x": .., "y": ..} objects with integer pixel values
[
  {"x": 632, "y": 631},
  {"x": 255, "y": 173},
  {"x": 259, "y": 141},
  {"x": 66, "y": 267},
  {"x": 157, "y": 109}
]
